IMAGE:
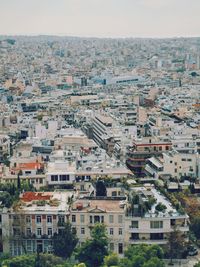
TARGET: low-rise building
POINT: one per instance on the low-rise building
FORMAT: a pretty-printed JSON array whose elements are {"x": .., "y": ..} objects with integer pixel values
[
  {"x": 136, "y": 219},
  {"x": 33, "y": 221}
]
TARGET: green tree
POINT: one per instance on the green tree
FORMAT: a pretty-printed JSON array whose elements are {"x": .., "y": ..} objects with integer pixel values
[
  {"x": 49, "y": 260},
  {"x": 6, "y": 199},
  {"x": 111, "y": 260},
  {"x": 101, "y": 189},
  {"x": 160, "y": 207},
  {"x": 176, "y": 244},
  {"x": 143, "y": 256},
  {"x": 93, "y": 251},
  {"x": 3, "y": 257},
  {"x": 197, "y": 264},
  {"x": 138, "y": 261},
  {"x": 45, "y": 260},
  {"x": 195, "y": 227},
  {"x": 65, "y": 242},
  {"x": 20, "y": 261},
  {"x": 80, "y": 265},
  {"x": 154, "y": 262}
]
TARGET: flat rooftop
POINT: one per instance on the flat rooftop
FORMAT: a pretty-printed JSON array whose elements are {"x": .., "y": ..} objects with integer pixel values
[
  {"x": 54, "y": 202},
  {"x": 107, "y": 205}
]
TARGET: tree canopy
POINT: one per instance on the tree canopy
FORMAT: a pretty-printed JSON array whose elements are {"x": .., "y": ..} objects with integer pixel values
[
  {"x": 176, "y": 244},
  {"x": 101, "y": 189},
  {"x": 65, "y": 241},
  {"x": 93, "y": 251}
]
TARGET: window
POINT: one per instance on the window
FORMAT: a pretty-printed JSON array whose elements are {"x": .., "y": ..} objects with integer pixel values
[
  {"x": 156, "y": 224},
  {"x": 82, "y": 187},
  {"x": 49, "y": 232},
  {"x": 111, "y": 246},
  {"x": 134, "y": 236},
  {"x": 90, "y": 219},
  {"x": 39, "y": 231},
  {"x": 28, "y": 231},
  {"x": 61, "y": 219},
  {"x": 96, "y": 219},
  {"x": 134, "y": 224},
  {"x": 49, "y": 219},
  {"x": 29, "y": 246},
  {"x": 156, "y": 236},
  {"x": 120, "y": 218},
  {"x": 111, "y": 231},
  {"x": 120, "y": 231},
  {"x": 114, "y": 193},
  {"x": 54, "y": 178},
  {"x": 38, "y": 219},
  {"x": 64, "y": 177},
  {"x": 160, "y": 148},
  {"x": 82, "y": 231},
  {"x": 111, "y": 218},
  {"x": 120, "y": 248},
  {"x": 28, "y": 219},
  {"x": 82, "y": 218},
  {"x": 73, "y": 218}
]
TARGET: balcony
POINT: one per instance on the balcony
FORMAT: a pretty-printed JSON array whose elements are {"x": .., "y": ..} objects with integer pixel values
[
  {"x": 148, "y": 241},
  {"x": 149, "y": 170},
  {"x": 149, "y": 230},
  {"x": 157, "y": 230}
]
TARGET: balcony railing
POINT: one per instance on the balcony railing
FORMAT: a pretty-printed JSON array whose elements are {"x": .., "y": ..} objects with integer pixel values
[
  {"x": 149, "y": 230},
  {"x": 148, "y": 241}
]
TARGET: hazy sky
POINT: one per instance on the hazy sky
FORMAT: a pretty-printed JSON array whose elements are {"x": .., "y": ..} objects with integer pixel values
[{"x": 101, "y": 18}]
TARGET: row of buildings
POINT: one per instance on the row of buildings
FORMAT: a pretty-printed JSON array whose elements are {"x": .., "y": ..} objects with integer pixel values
[{"x": 130, "y": 217}]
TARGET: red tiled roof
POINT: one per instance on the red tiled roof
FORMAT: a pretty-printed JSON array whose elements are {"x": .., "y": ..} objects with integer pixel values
[
  {"x": 30, "y": 196},
  {"x": 29, "y": 166}
]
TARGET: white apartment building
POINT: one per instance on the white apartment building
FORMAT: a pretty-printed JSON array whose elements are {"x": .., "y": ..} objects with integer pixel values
[
  {"x": 102, "y": 128},
  {"x": 125, "y": 221},
  {"x": 153, "y": 226},
  {"x": 60, "y": 173},
  {"x": 173, "y": 164}
]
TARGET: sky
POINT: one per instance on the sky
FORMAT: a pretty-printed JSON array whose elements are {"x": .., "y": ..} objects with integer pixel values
[{"x": 101, "y": 18}]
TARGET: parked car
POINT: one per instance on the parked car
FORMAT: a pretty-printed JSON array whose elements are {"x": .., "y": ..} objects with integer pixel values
[{"x": 192, "y": 251}]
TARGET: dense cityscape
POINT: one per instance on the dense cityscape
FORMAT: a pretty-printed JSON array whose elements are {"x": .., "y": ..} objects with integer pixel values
[{"x": 99, "y": 151}]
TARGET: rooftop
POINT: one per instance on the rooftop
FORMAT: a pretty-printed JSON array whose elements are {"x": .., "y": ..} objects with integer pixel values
[{"x": 104, "y": 205}]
